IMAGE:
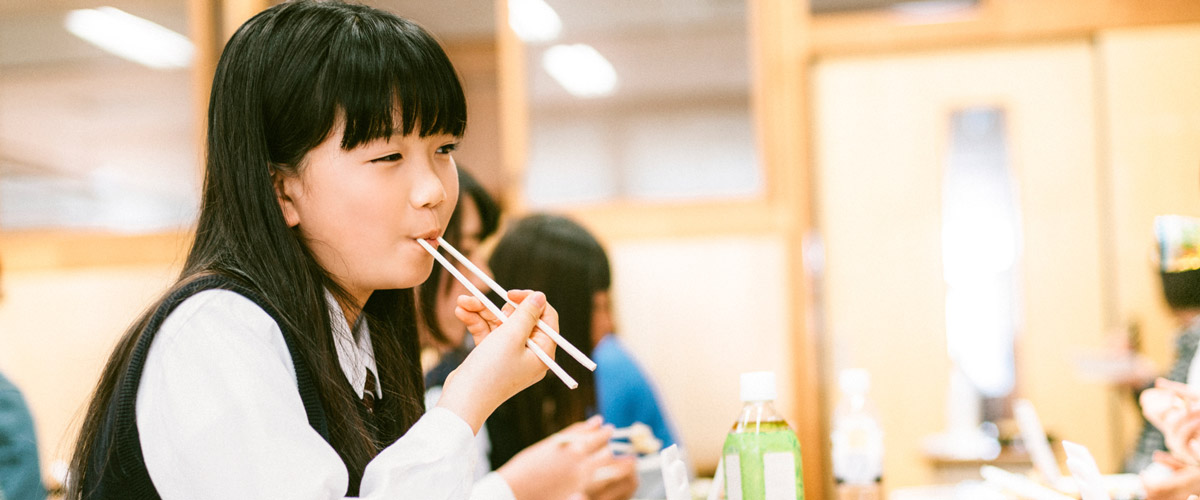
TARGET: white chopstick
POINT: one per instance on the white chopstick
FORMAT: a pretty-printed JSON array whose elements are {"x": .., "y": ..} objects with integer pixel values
[
  {"x": 632, "y": 430},
  {"x": 546, "y": 359},
  {"x": 558, "y": 339},
  {"x": 622, "y": 448}
]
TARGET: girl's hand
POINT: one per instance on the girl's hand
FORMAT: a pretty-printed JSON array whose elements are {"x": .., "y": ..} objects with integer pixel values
[
  {"x": 1182, "y": 483},
  {"x": 500, "y": 365},
  {"x": 1175, "y": 409},
  {"x": 617, "y": 479},
  {"x": 560, "y": 466}
]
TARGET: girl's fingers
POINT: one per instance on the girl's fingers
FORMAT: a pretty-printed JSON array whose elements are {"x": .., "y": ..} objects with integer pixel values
[
  {"x": 545, "y": 342},
  {"x": 1167, "y": 459},
  {"x": 1187, "y": 426},
  {"x": 514, "y": 297},
  {"x": 478, "y": 320},
  {"x": 549, "y": 314},
  {"x": 1193, "y": 450},
  {"x": 590, "y": 424},
  {"x": 518, "y": 295},
  {"x": 528, "y": 310},
  {"x": 594, "y": 441}
]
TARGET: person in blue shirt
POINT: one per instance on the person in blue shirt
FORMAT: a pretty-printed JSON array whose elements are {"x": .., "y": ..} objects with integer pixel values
[
  {"x": 20, "y": 470},
  {"x": 624, "y": 393},
  {"x": 20, "y": 473}
]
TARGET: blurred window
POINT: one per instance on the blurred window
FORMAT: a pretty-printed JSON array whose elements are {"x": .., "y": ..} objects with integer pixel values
[
  {"x": 97, "y": 119},
  {"x": 633, "y": 100},
  {"x": 981, "y": 238}
]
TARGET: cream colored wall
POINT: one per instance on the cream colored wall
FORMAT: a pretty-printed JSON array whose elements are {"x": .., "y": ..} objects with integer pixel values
[
  {"x": 57, "y": 328},
  {"x": 693, "y": 332},
  {"x": 697, "y": 312},
  {"x": 1150, "y": 77},
  {"x": 881, "y": 127}
]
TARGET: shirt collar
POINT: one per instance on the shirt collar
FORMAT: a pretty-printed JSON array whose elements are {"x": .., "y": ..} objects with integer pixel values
[{"x": 355, "y": 357}]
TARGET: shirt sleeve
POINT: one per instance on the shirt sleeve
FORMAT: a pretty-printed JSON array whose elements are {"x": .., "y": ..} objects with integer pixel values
[
  {"x": 483, "y": 443},
  {"x": 492, "y": 487},
  {"x": 1193, "y": 374},
  {"x": 220, "y": 416}
]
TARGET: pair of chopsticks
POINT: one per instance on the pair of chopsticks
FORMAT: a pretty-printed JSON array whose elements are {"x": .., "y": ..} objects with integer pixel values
[{"x": 558, "y": 339}]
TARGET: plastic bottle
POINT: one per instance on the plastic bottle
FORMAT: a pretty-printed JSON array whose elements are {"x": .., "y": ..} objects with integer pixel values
[
  {"x": 761, "y": 455},
  {"x": 857, "y": 441}
]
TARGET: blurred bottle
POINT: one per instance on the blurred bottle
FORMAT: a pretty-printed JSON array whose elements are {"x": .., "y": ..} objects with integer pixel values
[
  {"x": 857, "y": 440},
  {"x": 761, "y": 455}
]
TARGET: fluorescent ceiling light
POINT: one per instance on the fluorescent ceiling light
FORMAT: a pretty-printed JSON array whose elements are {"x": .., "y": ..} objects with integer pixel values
[
  {"x": 533, "y": 20},
  {"x": 131, "y": 37},
  {"x": 936, "y": 10},
  {"x": 581, "y": 70}
]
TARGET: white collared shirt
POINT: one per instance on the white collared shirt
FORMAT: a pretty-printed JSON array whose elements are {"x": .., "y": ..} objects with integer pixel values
[
  {"x": 354, "y": 357},
  {"x": 220, "y": 416}
]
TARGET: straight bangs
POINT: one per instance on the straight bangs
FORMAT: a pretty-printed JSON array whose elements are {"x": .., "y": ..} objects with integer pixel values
[{"x": 384, "y": 68}]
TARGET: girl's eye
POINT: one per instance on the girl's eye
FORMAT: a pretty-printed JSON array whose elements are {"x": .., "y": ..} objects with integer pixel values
[
  {"x": 447, "y": 149},
  {"x": 391, "y": 157}
]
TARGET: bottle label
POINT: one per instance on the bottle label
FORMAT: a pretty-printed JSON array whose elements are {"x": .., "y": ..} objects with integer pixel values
[
  {"x": 733, "y": 477},
  {"x": 857, "y": 453},
  {"x": 779, "y": 476}
]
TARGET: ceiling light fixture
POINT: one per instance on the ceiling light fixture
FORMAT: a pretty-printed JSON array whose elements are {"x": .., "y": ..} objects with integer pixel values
[
  {"x": 580, "y": 69},
  {"x": 533, "y": 21},
  {"x": 131, "y": 37}
]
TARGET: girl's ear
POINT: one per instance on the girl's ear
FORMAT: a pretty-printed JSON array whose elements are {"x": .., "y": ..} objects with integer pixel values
[{"x": 284, "y": 186}]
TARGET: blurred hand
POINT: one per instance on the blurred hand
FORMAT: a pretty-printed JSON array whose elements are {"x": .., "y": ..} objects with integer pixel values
[
  {"x": 1183, "y": 482},
  {"x": 500, "y": 365},
  {"x": 616, "y": 479},
  {"x": 562, "y": 465},
  {"x": 1175, "y": 410}
]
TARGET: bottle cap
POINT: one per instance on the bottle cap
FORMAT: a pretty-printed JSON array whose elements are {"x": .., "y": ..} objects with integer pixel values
[
  {"x": 854, "y": 381},
  {"x": 758, "y": 386}
]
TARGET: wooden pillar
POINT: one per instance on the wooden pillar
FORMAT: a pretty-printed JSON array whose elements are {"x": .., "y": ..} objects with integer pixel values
[
  {"x": 780, "y": 48},
  {"x": 514, "y": 111},
  {"x": 211, "y": 23}
]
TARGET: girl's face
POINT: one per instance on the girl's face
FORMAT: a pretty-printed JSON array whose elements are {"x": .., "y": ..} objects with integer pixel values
[{"x": 361, "y": 212}]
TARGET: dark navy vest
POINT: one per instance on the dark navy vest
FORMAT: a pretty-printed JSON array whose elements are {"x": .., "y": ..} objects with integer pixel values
[{"x": 124, "y": 476}]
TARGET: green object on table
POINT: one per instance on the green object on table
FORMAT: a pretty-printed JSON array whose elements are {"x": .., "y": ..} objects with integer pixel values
[{"x": 761, "y": 457}]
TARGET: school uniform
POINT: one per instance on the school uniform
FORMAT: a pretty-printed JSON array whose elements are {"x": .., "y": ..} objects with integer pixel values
[
  {"x": 488, "y": 484},
  {"x": 219, "y": 415}
]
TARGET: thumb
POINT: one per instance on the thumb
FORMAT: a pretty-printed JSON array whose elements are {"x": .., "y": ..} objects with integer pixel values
[{"x": 528, "y": 311}]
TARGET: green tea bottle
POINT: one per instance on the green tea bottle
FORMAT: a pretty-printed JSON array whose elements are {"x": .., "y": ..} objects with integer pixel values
[{"x": 762, "y": 455}]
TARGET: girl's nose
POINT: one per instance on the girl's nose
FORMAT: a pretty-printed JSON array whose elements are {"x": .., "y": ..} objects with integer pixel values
[{"x": 428, "y": 190}]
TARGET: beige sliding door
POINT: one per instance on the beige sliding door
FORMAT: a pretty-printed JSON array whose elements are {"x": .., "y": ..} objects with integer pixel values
[{"x": 882, "y": 132}]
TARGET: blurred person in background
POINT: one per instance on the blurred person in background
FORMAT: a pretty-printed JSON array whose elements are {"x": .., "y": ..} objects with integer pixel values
[
  {"x": 573, "y": 460},
  {"x": 20, "y": 470},
  {"x": 444, "y": 339},
  {"x": 560, "y": 255},
  {"x": 1178, "y": 241}
]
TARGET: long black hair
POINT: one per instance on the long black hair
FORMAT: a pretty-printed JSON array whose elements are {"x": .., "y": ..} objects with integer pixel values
[
  {"x": 283, "y": 80},
  {"x": 560, "y": 258}
]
